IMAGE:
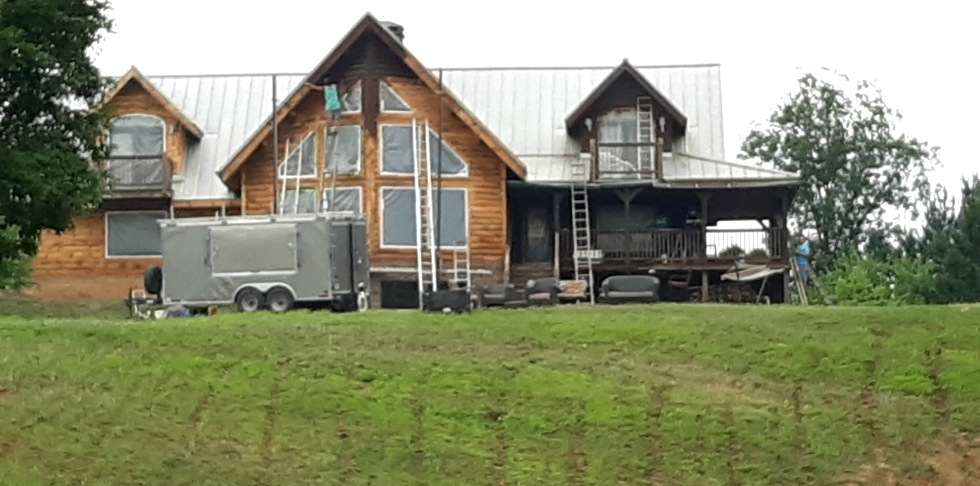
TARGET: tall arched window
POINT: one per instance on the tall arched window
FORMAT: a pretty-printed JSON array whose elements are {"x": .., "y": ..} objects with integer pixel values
[{"x": 137, "y": 148}]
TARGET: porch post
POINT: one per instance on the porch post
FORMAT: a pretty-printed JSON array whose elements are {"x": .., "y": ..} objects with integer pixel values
[
  {"x": 627, "y": 197},
  {"x": 556, "y": 198},
  {"x": 783, "y": 244},
  {"x": 704, "y": 243}
]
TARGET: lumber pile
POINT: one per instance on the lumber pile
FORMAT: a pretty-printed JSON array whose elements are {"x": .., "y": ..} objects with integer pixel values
[{"x": 728, "y": 292}]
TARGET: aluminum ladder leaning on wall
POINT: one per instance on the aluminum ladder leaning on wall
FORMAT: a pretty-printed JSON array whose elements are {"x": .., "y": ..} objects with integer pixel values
[
  {"x": 425, "y": 250},
  {"x": 645, "y": 135},
  {"x": 581, "y": 228}
]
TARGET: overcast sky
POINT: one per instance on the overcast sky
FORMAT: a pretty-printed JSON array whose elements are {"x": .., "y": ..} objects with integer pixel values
[{"x": 912, "y": 49}]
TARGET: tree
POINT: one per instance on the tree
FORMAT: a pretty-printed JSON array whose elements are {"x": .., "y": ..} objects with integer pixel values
[
  {"x": 959, "y": 250},
  {"x": 855, "y": 168},
  {"x": 49, "y": 136}
]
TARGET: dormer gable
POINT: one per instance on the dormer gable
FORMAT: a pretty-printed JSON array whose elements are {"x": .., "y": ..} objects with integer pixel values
[
  {"x": 625, "y": 90},
  {"x": 136, "y": 107}
]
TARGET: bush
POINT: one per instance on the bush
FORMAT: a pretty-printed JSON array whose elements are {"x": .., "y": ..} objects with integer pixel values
[
  {"x": 15, "y": 267},
  {"x": 858, "y": 280}
]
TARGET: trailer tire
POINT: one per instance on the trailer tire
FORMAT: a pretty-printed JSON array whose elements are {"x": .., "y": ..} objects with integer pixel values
[
  {"x": 153, "y": 280},
  {"x": 249, "y": 299},
  {"x": 279, "y": 299}
]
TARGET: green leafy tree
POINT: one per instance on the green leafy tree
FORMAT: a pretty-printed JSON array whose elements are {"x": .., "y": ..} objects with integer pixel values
[
  {"x": 49, "y": 136},
  {"x": 958, "y": 250},
  {"x": 857, "y": 172},
  {"x": 861, "y": 280}
]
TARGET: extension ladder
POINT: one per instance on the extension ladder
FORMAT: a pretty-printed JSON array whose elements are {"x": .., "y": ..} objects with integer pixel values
[
  {"x": 645, "y": 133},
  {"x": 581, "y": 231},
  {"x": 425, "y": 249}
]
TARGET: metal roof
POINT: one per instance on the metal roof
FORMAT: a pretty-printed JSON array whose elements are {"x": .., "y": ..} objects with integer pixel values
[
  {"x": 228, "y": 109},
  {"x": 524, "y": 107}
]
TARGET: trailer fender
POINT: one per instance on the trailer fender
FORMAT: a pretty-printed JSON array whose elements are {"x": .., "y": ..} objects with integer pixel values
[{"x": 264, "y": 287}]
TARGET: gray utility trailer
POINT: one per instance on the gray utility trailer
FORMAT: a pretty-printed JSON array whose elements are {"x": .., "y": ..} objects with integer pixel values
[{"x": 263, "y": 262}]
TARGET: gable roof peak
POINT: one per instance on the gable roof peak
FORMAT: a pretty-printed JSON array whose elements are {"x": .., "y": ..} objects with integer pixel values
[{"x": 134, "y": 75}]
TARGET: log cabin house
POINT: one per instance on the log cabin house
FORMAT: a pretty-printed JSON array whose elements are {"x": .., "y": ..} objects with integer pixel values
[{"x": 644, "y": 143}]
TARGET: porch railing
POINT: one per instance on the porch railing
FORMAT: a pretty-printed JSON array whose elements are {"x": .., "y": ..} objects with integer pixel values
[
  {"x": 686, "y": 245},
  {"x": 139, "y": 174},
  {"x": 627, "y": 161}
]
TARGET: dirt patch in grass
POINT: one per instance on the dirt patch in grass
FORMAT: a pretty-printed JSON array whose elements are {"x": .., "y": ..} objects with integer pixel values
[{"x": 953, "y": 461}]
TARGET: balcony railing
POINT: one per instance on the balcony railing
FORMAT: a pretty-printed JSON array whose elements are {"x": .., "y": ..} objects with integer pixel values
[
  {"x": 627, "y": 161},
  {"x": 686, "y": 245},
  {"x": 139, "y": 174}
]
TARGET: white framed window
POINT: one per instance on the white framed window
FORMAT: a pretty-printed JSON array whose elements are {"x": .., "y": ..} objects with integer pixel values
[
  {"x": 398, "y": 153},
  {"x": 397, "y": 150},
  {"x": 301, "y": 161},
  {"x": 306, "y": 204},
  {"x": 398, "y": 228},
  {"x": 451, "y": 165},
  {"x": 344, "y": 199},
  {"x": 344, "y": 151},
  {"x": 390, "y": 101},
  {"x": 351, "y": 100},
  {"x": 137, "y": 144},
  {"x": 133, "y": 234}
]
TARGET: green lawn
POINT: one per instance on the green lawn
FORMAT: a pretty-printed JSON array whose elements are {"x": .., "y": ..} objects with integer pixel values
[{"x": 685, "y": 395}]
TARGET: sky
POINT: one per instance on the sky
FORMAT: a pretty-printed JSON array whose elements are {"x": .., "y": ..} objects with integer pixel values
[{"x": 911, "y": 49}]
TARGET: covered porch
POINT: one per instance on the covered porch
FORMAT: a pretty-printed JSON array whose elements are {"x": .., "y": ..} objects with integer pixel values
[{"x": 674, "y": 230}]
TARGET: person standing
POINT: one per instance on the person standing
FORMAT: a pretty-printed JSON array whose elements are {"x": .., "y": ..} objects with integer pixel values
[{"x": 803, "y": 259}]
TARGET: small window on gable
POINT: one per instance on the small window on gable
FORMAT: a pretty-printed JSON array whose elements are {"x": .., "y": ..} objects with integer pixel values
[
  {"x": 352, "y": 99},
  {"x": 397, "y": 150},
  {"x": 451, "y": 163},
  {"x": 390, "y": 101},
  {"x": 343, "y": 151},
  {"x": 305, "y": 204},
  {"x": 301, "y": 161},
  {"x": 343, "y": 199}
]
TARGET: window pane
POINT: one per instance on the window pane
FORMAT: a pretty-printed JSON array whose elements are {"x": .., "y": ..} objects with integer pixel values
[
  {"x": 302, "y": 160},
  {"x": 452, "y": 216},
  {"x": 398, "y": 217},
  {"x": 137, "y": 136},
  {"x": 397, "y": 155},
  {"x": 450, "y": 164},
  {"x": 352, "y": 99},
  {"x": 390, "y": 101},
  {"x": 344, "y": 151},
  {"x": 345, "y": 199},
  {"x": 306, "y": 204},
  {"x": 133, "y": 234}
]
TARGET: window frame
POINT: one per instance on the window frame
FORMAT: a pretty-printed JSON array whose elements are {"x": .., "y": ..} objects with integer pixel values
[
  {"x": 382, "y": 84},
  {"x": 105, "y": 223},
  {"x": 360, "y": 150},
  {"x": 381, "y": 150},
  {"x": 443, "y": 143},
  {"x": 147, "y": 116},
  {"x": 435, "y": 197},
  {"x": 358, "y": 189},
  {"x": 360, "y": 99},
  {"x": 281, "y": 166}
]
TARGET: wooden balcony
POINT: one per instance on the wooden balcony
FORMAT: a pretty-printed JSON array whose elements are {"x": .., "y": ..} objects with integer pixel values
[
  {"x": 140, "y": 176},
  {"x": 685, "y": 248},
  {"x": 627, "y": 161}
]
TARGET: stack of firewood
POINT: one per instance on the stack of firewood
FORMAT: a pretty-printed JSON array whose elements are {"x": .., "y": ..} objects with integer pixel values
[{"x": 728, "y": 292}]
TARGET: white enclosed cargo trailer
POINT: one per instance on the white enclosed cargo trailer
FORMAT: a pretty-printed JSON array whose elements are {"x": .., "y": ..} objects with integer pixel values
[{"x": 263, "y": 262}]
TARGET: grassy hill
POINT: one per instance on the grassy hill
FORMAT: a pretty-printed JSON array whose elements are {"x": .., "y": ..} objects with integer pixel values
[{"x": 686, "y": 395}]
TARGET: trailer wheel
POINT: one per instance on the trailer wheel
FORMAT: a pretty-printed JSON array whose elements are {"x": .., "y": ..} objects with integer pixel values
[
  {"x": 249, "y": 299},
  {"x": 279, "y": 299}
]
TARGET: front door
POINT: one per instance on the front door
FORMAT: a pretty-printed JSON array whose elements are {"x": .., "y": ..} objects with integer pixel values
[{"x": 539, "y": 235}]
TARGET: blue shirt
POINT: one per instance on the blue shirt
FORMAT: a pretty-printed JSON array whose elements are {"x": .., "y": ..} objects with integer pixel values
[{"x": 805, "y": 250}]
